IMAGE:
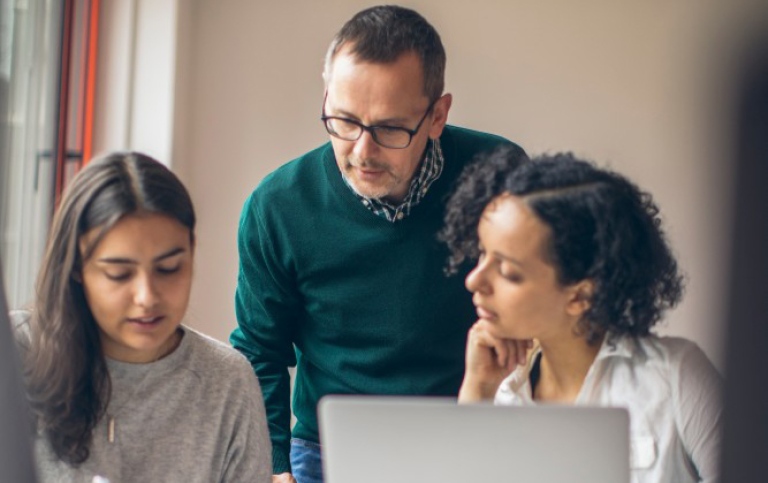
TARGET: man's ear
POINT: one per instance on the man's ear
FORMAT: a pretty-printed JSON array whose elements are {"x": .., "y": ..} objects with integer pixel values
[
  {"x": 581, "y": 298},
  {"x": 440, "y": 115}
]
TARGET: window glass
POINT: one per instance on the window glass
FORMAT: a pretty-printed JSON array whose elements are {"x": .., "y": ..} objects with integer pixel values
[{"x": 30, "y": 38}]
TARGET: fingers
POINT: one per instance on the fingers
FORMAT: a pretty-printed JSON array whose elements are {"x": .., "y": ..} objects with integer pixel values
[
  {"x": 505, "y": 352},
  {"x": 516, "y": 353},
  {"x": 519, "y": 348},
  {"x": 484, "y": 348},
  {"x": 523, "y": 346}
]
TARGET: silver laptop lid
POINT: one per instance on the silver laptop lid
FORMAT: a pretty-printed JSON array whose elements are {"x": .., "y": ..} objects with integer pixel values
[{"x": 380, "y": 439}]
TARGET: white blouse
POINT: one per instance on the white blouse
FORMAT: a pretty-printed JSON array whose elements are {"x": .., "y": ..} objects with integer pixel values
[{"x": 672, "y": 393}]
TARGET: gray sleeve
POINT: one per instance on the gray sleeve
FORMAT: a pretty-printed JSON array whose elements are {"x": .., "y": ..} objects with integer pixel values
[{"x": 249, "y": 451}]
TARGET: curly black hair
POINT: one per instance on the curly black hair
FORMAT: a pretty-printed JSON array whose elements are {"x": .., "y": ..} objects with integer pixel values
[{"x": 604, "y": 228}]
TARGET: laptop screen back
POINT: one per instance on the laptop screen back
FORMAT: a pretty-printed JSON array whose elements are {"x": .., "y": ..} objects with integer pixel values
[{"x": 393, "y": 439}]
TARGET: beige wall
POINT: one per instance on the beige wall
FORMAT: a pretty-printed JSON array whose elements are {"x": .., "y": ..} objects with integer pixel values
[{"x": 640, "y": 86}]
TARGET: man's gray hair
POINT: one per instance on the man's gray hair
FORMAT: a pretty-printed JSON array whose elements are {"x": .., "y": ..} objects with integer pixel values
[{"x": 382, "y": 34}]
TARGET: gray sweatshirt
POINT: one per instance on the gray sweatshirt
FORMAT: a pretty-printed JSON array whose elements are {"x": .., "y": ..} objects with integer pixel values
[{"x": 197, "y": 415}]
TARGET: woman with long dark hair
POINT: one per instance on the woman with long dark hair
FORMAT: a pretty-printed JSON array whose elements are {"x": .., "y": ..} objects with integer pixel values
[
  {"x": 119, "y": 388},
  {"x": 573, "y": 257}
]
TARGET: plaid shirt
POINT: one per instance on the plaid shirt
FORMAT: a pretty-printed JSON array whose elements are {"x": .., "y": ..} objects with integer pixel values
[{"x": 430, "y": 171}]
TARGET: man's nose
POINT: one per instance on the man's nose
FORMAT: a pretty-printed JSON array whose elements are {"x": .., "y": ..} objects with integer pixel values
[{"x": 365, "y": 146}]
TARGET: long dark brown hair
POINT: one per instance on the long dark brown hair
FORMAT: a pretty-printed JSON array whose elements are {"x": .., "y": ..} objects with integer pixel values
[{"x": 68, "y": 383}]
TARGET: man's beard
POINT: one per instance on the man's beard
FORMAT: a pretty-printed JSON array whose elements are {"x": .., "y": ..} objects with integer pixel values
[{"x": 378, "y": 191}]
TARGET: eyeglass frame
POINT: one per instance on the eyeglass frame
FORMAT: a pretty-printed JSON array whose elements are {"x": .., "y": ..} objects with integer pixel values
[{"x": 372, "y": 129}]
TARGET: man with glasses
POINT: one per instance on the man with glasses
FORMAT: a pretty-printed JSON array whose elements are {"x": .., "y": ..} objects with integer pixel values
[{"x": 341, "y": 273}]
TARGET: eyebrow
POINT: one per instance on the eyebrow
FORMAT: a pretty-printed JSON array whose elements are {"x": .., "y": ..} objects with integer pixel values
[
  {"x": 129, "y": 261},
  {"x": 509, "y": 259},
  {"x": 383, "y": 122}
]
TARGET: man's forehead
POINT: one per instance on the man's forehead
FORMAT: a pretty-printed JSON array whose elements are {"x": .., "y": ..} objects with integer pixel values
[
  {"x": 402, "y": 78},
  {"x": 407, "y": 64}
]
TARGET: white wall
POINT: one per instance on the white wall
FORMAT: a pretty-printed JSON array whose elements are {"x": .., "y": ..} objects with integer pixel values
[
  {"x": 136, "y": 76},
  {"x": 642, "y": 86}
]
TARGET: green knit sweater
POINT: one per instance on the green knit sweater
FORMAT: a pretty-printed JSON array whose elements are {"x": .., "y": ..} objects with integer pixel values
[{"x": 359, "y": 304}]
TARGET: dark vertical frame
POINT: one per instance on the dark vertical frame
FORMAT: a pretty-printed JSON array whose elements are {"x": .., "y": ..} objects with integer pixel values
[
  {"x": 62, "y": 111},
  {"x": 78, "y": 96},
  {"x": 89, "y": 90}
]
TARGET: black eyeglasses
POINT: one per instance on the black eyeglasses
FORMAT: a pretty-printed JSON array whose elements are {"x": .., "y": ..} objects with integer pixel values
[{"x": 387, "y": 136}]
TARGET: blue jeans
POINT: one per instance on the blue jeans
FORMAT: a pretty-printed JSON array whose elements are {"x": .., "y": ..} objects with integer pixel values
[{"x": 306, "y": 464}]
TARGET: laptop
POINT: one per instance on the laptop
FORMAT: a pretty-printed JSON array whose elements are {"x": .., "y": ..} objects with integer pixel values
[
  {"x": 386, "y": 439},
  {"x": 16, "y": 462}
]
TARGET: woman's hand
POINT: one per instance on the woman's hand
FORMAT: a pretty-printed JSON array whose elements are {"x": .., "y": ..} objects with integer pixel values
[
  {"x": 489, "y": 359},
  {"x": 283, "y": 478}
]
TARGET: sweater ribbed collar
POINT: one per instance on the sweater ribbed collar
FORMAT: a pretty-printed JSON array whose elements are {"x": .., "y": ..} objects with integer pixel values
[{"x": 430, "y": 170}]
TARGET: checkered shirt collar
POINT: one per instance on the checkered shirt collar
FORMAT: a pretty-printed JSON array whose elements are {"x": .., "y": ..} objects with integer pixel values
[{"x": 430, "y": 171}]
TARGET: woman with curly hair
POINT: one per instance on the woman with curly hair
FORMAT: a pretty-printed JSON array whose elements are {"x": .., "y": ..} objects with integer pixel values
[
  {"x": 118, "y": 386},
  {"x": 573, "y": 257}
]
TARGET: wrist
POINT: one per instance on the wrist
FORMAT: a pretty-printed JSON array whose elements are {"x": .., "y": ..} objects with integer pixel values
[{"x": 474, "y": 390}]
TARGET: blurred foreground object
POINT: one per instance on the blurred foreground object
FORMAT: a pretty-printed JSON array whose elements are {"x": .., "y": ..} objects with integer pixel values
[
  {"x": 15, "y": 440},
  {"x": 745, "y": 442}
]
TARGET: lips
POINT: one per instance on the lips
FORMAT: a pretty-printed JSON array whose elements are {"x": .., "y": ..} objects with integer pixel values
[
  {"x": 484, "y": 313},
  {"x": 370, "y": 171},
  {"x": 370, "y": 175},
  {"x": 367, "y": 167},
  {"x": 146, "y": 320}
]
